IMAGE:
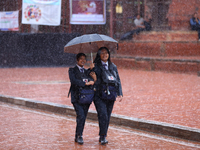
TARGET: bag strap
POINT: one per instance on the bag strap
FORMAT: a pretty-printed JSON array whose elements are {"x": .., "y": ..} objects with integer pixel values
[
  {"x": 69, "y": 90},
  {"x": 110, "y": 71}
]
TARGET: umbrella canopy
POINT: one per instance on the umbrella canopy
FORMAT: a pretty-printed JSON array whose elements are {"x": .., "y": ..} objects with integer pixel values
[{"x": 90, "y": 43}]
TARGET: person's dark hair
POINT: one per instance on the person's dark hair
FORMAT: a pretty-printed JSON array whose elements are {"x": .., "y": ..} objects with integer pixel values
[
  {"x": 195, "y": 13},
  {"x": 97, "y": 59},
  {"x": 79, "y": 55},
  {"x": 138, "y": 14}
]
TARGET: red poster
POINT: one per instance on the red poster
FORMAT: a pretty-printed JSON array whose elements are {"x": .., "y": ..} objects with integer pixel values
[{"x": 87, "y": 12}]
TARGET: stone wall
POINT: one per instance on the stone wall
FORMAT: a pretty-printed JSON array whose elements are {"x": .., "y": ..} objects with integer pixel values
[
  {"x": 175, "y": 14},
  {"x": 180, "y": 12}
]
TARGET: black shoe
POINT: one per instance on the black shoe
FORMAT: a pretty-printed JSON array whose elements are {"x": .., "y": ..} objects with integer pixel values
[
  {"x": 79, "y": 140},
  {"x": 103, "y": 140}
]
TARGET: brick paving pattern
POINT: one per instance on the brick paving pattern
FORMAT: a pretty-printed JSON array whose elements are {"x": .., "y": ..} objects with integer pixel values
[
  {"x": 158, "y": 96},
  {"x": 23, "y": 128}
]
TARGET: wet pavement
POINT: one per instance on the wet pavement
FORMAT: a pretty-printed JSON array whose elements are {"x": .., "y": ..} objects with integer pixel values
[
  {"x": 156, "y": 96},
  {"x": 23, "y": 128}
]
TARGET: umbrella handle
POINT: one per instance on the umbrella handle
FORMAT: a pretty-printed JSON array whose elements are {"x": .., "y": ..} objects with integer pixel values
[{"x": 91, "y": 57}]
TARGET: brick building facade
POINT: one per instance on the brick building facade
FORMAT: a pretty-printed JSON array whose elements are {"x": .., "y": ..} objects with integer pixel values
[
  {"x": 166, "y": 15},
  {"x": 180, "y": 12}
]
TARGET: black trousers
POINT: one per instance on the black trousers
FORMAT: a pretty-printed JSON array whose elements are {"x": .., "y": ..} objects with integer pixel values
[
  {"x": 138, "y": 30},
  {"x": 81, "y": 114},
  {"x": 104, "y": 109},
  {"x": 196, "y": 28}
]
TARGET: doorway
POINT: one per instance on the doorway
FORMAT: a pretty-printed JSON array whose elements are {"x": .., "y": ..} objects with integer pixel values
[{"x": 158, "y": 10}]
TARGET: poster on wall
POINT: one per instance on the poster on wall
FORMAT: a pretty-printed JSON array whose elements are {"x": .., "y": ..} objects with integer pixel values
[
  {"x": 41, "y": 12},
  {"x": 9, "y": 21},
  {"x": 87, "y": 11}
]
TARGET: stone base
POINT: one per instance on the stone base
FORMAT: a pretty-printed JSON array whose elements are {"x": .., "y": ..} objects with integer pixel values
[
  {"x": 173, "y": 43},
  {"x": 180, "y": 65},
  {"x": 173, "y": 51}
]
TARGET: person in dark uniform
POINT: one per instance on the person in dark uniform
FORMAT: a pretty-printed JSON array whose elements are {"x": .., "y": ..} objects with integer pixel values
[
  {"x": 108, "y": 87},
  {"x": 80, "y": 78},
  {"x": 195, "y": 23}
]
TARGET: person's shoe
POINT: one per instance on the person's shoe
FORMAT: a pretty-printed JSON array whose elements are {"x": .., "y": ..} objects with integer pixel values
[
  {"x": 103, "y": 140},
  {"x": 79, "y": 140}
]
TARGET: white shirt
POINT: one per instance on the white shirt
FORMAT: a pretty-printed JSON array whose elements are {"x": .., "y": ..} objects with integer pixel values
[
  {"x": 139, "y": 22},
  {"x": 103, "y": 63},
  {"x": 80, "y": 68}
]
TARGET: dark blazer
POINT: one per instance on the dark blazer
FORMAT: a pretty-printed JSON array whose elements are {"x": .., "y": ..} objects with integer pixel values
[
  {"x": 76, "y": 79},
  {"x": 194, "y": 24},
  {"x": 98, "y": 70}
]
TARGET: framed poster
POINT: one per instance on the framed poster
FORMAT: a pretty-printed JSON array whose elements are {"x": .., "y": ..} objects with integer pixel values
[
  {"x": 9, "y": 21},
  {"x": 87, "y": 11},
  {"x": 41, "y": 12}
]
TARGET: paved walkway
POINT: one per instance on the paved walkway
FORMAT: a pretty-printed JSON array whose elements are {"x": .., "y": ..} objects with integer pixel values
[
  {"x": 23, "y": 128},
  {"x": 156, "y": 96}
]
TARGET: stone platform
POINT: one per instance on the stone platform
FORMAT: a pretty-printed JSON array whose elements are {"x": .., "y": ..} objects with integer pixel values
[
  {"x": 173, "y": 51},
  {"x": 27, "y": 128},
  {"x": 163, "y": 103}
]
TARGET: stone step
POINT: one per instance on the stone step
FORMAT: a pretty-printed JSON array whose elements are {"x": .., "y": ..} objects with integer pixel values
[
  {"x": 160, "y": 48},
  {"x": 168, "y": 64},
  {"x": 166, "y": 36},
  {"x": 179, "y": 43}
]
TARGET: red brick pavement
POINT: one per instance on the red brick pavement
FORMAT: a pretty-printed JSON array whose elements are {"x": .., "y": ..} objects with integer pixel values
[
  {"x": 23, "y": 128},
  {"x": 158, "y": 96}
]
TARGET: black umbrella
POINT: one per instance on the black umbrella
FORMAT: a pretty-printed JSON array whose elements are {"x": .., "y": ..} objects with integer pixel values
[{"x": 90, "y": 43}]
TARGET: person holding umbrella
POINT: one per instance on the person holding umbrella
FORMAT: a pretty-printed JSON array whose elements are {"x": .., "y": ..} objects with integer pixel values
[
  {"x": 108, "y": 87},
  {"x": 82, "y": 93},
  {"x": 108, "y": 84}
]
